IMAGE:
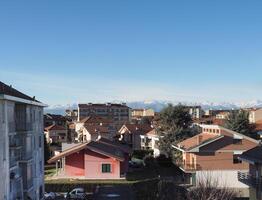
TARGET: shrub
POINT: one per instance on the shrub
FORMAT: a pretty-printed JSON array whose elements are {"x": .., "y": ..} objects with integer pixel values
[
  {"x": 150, "y": 161},
  {"x": 164, "y": 161},
  {"x": 140, "y": 154}
]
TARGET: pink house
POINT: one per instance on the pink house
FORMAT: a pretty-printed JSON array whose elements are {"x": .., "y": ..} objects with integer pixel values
[{"x": 101, "y": 159}]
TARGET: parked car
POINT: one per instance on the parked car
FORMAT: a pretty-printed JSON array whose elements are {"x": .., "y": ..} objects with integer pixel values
[
  {"x": 49, "y": 196},
  {"x": 77, "y": 193}
]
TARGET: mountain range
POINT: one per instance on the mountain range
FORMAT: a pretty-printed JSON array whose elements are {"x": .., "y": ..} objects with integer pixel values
[{"x": 157, "y": 105}]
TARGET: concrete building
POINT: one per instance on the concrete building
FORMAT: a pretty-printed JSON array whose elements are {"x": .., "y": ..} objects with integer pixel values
[
  {"x": 214, "y": 153},
  {"x": 139, "y": 113},
  {"x": 118, "y": 113},
  {"x": 55, "y": 134},
  {"x": 253, "y": 178},
  {"x": 21, "y": 145},
  {"x": 255, "y": 115},
  {"x": 196, "y": 112},
  {"x": 130, "y": 134},
  {"x": 150, "y": 141}
]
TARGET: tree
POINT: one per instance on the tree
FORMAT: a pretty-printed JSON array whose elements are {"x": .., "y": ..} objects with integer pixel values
[
  {"x": 175, "y": 125},
  {"x": 173, "y": 118},
  {"x": 209, "y": 188},
  {"x": 145, "y": 120},
  {"x": 239, "y": 121},
  {"x": 47, "y": 153}
]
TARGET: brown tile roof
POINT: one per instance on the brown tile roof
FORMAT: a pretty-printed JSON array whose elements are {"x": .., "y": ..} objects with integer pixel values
[
  {"x": 93, "y": 129},
  {"x": 102, "y": 148},
  {"x": 55, "y": 127},
  {"x": 95, "y": 119},
  {"x": 197, "y": 140},
  {"x": 123, "y": 147},
  {"x": 138, "y": 128},
  {"x": 253, "y": 155},
  {"x": 152, "y": 132},
  {"x": 258, "y": 125},
  {"x": 8, "y": 90}
]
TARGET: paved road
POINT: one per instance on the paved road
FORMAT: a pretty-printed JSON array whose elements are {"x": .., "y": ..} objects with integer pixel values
[{"x": 119, "y": 192}]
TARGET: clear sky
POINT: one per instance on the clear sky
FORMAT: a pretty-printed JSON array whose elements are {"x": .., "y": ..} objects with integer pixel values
[{"x": 65, "y": 51}]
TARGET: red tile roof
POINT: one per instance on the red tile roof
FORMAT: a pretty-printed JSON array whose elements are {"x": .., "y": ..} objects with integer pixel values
[
  {"x": 95, "y": 119},
  {"x": 138, "y": 128},
  {"x": 93, "y": 129},
  {"x": 103, "y": 147},
  {"x": 54, "y": 127},
  {"x": 197, "y": 140}
]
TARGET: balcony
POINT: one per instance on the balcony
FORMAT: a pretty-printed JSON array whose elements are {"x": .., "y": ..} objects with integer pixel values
[
  {"x": 189, "y": 167},
  {"x": 19, "y": 127},
  {"x": 250, "y": 180}
]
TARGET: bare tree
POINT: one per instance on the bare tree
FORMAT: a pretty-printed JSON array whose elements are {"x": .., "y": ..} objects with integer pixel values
[{"x": 210, "y": 188}]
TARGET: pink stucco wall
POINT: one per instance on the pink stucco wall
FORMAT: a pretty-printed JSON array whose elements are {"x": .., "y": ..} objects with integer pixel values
[
  {"x": 88, "y": 164},
  {"x": 93, "y": 166},
  {"x": 74, "y": 164}
]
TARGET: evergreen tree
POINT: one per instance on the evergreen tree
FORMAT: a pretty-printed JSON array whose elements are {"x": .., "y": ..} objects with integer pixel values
[
  {"x": 239, "y": 121},
  {"x": 175, "y": 125}
]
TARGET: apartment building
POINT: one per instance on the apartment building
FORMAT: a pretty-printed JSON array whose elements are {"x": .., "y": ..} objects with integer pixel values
[
  {"x": 140, "y": 113},
  {"x": 93, "y": 126},
  {"x": 118, "y": 113},
  {"x": 215, "y": 152},
  {"x": 255, "y": 114},
  {"x": 55, "y": 134},
  {"x": 253, "y": 178},
  {"x": 222, "y": 115},
  {"x": 150, "y": 141},
  {"x": 21, "y": 145},
  {"x": 196, "y": 112},
  {"x": 130, "y": 134}
]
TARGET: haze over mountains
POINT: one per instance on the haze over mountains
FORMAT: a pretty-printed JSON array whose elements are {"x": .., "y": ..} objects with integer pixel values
[{"x": 157, "y": 105}]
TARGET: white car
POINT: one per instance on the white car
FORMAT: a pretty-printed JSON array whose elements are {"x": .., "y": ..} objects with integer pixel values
[
  {"x": 77, "y": 193},
  {"x": 49, "y": 196}
]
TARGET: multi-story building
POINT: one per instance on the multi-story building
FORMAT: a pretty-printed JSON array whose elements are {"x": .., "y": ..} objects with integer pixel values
[
  {"x": 150, "y": 141},
  {"x": 72, "y": 114},
  {"x": 118, "y": 113},
  {"x": 91, "y": 127},
  {"x": 130, "y": 134},
  {"x": 255, "y": 114},
  {"x": 55, "y": 134},
  {"x": 214, "y": 154},
  {"x": 21, "y": 145},
  {"x": 253, "y": 178},
  {"x": 222, "y": 115},
  {"x": 140, "y": 113},
  {"x": 196, "y": 112},
  {"x": 50, "y": 119}
]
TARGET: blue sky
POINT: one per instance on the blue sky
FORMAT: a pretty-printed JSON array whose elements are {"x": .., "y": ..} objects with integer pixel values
[{"x": 65, "y": 51}]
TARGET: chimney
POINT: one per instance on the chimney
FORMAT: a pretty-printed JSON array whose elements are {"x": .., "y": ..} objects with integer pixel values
[{"x": 199, "y": 139}]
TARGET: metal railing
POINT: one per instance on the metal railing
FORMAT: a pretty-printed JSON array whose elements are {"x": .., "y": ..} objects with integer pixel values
[
  {"x": 249, "y": 179},
  {"x": 189, "y": 167},
  {"x": 19, "y": 127}
]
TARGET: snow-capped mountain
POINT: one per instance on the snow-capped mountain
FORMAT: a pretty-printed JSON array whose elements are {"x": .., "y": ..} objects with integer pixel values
[{"x": 157, "y": 105}]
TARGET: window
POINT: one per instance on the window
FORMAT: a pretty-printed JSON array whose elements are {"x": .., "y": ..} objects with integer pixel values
[
  {"x": 237, "y": 141},
  {"x": 106, "y": 168},
  {"x": 236, "y": 160}
]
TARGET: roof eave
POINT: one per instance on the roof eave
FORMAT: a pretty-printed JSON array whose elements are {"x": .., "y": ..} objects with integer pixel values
[{"x": 21, "y": 100}]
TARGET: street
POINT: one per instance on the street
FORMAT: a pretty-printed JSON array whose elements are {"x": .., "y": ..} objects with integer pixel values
[{"x": 119, "y": 192}]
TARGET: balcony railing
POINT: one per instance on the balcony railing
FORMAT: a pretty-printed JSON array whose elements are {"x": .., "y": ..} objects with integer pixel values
[
  {"x": 189, "y": 167},
  {"x": 19, "y": 127},
  {"x": 249, "y": 179}
]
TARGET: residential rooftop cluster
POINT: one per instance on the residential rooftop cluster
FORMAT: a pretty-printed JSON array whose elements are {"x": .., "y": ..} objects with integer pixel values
[{"x": 98, "y": 141}]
